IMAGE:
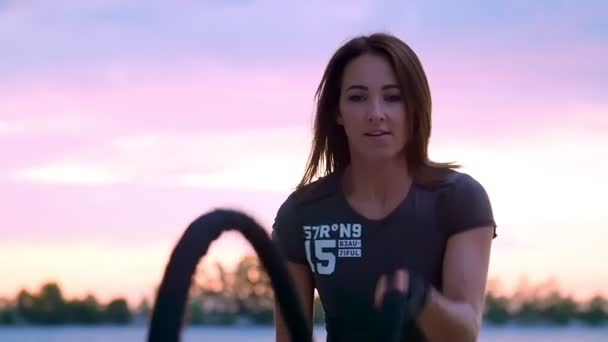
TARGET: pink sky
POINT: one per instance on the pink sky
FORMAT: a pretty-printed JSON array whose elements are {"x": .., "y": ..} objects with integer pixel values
[{"x": 119, "y": 136}]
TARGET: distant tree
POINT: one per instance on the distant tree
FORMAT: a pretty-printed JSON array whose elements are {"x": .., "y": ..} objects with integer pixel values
[
  {"x": 117, "y": 312},
  {"x": 143, "y": 308},
  {"x": 48, "y": 307},
  {"x": 223, "y": 296},
  {"x": 529, "y": 313},
  {"x": 527, "y": 305},
  {"x": 52, "y": 304},
  {"x": 195, "y": 314},
  {"x": 85, "y": 311},
  {"x": 212, "y": 299},
  {"x": 496, "y": 309},
  {"x": 595, "y": 312},
  {"x": 142, "y": 311},
  {"x": 253, "y": 290},
  {"x": 7, "y": 312},
  {"x": 558, "y": 309},
  {"x": 26, "y": 306},
  {"x": 7, "y": 317}
]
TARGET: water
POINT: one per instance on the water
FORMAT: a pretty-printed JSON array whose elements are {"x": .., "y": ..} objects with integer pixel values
[{"x": 264, "y": 334}]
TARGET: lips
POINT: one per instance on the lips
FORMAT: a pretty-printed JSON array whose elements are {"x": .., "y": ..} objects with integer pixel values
[{"x": 377, "y": 133}]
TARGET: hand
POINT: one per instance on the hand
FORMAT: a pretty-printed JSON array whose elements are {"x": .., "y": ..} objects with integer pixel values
[
  {"x": 399, "y": 281},
  {"x": 399, "y": 297},
  {"x": 412, "y": 286},
  {"x": 390, "y": 300}
]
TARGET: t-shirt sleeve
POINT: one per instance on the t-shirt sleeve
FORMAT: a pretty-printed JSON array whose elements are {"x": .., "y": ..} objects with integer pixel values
[
  {"x": 468, "y": 206},
  {"x": 287, "y": 233}
]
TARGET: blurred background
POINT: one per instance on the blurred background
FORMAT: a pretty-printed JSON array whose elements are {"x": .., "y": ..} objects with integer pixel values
[{"x": 122, "y": 121}]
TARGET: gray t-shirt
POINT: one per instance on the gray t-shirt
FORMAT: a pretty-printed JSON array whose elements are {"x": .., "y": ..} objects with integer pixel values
[{"x": 347, "y": 252}]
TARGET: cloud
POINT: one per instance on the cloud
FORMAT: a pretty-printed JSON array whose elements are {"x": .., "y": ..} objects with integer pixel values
[
  {"x": 539, "y": 180},
  {"x": 202, "y": 96},
  {"x": 166, "y": 31},
  {"x": 206, "y": 64},
  {"x": 70, "y": 173},
  {"x": 210, "y": 68},
  {"x": 5, "y": 128},
  {"x": 253, "y": 173},
  {"x": 212, "y": 152},
  {"x": 177, "y": 113},
  {"x": 57, "y": 124},
  {"x": 198, "y": 96},
  {"x": 214, "y": 161},
  {"x": 269, "y": 158},
  {"x": 271, "y": 32}
]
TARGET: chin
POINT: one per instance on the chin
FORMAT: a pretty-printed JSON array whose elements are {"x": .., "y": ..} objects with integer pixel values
[{"x": 380, "y": 155}]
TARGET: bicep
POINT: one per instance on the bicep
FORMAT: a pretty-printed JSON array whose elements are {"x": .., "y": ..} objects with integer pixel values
[
  {"x": 465, "y": 266},
  {"x": 302, "y": 277}
]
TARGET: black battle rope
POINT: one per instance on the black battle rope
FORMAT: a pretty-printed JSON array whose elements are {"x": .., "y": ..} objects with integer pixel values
[{"x": 167, "y": 315}]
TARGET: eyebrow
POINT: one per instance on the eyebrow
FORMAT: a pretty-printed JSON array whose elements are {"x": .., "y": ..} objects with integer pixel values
[{"x": 361, "y": 87}]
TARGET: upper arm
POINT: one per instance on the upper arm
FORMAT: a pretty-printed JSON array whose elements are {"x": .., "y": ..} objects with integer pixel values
[
  {"x": 288, "y": 237},
  {"x": 465, "y": 267},
  {"x": 304, "y": 283},
  {"x": 470, "y": 229},
  {"x": 287, "y": 233}
]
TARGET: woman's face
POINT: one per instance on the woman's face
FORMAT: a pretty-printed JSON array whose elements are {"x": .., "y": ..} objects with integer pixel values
[{"x": 372, "y": 109}]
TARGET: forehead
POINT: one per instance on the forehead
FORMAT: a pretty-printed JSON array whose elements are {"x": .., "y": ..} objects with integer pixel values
[{"x": 369, "y": 70}]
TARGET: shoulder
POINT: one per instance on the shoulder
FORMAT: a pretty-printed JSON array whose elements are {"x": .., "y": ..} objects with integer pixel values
[
  {"x": 449, "y": 182},
  {"x": 464, "y": 188},
  {"x": 463, "y": 184},
  {"x": 287, "y": 227},
  {"x": 454, "y": 187},
  {"x": 462, "y": 200},
  {"x": 310, "y": 194}
]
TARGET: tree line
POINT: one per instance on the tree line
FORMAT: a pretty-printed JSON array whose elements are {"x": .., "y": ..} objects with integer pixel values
[
  {"x": 245, "y": 295},
  {"x": 49, "y": 307}
]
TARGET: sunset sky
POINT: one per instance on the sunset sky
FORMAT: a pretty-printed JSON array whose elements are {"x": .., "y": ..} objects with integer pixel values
[{"x": 121, "y": 122}]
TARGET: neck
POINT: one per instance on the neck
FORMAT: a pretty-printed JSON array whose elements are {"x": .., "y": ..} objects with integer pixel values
[{"x": 381, "y": 182}]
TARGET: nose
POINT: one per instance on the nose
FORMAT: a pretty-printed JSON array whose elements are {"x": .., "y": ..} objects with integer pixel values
[{"x": 375, "y": 112}]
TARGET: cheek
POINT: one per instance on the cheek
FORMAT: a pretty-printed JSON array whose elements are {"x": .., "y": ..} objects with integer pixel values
[
  {"x": 397, "y": 111},
  {"x": 399, "y": 120},
  {"x": 351, "y": 115}
]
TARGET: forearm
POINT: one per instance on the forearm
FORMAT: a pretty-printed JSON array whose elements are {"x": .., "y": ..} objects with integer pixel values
[
  {"x": 305, "y": 289},
  {"x": 281, "y": 331},
  {"x": 444, "y": 319}
]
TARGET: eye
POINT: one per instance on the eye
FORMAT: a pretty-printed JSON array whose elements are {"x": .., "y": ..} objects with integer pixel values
[
  {"x": 393, "y": 98},
  {"x": 356, "y": 98}
]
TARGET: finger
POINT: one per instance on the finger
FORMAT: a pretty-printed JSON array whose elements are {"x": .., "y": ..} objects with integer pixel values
[
  {"x": 401, "y": 280},
  {"x": 392, "y": 311},
  {"x": 380, "y": 290}
]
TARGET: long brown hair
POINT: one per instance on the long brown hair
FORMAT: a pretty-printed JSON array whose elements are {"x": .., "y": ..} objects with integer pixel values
[{"x": 329, "y": 152}]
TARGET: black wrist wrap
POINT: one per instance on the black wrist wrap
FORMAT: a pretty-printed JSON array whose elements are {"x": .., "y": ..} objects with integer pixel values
[
  {"x": 417, "y": 295},
  {"x": 399, "y": 310}
]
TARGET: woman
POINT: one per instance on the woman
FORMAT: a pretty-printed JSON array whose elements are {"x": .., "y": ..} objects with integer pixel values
[{"x": 381, "y": 208}]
